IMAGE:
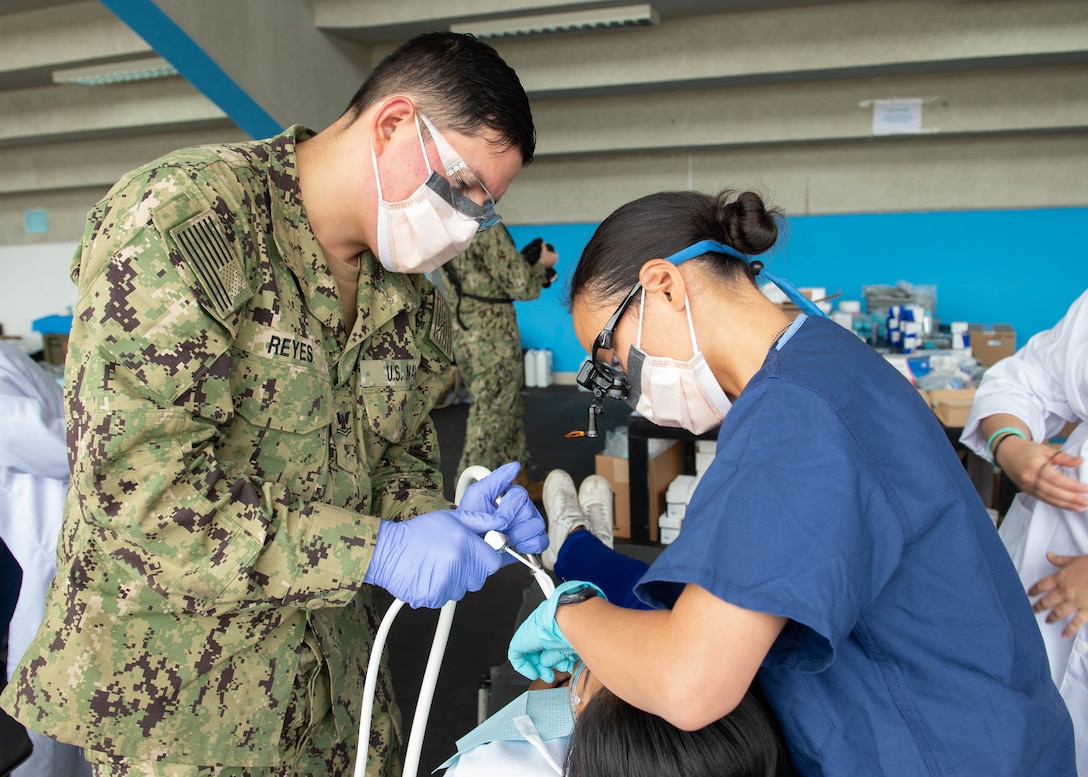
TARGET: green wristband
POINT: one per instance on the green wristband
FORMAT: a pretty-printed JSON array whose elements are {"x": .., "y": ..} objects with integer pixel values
[{"x": 1003, "y": 431}]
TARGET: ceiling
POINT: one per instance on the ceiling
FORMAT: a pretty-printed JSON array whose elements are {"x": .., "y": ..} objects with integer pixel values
[{"x": 775, "y": 71}]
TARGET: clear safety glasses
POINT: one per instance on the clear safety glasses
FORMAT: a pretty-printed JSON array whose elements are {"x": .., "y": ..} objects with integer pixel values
[
  {"x": 463, "y": 183},
  {"x": 577, "y": 688},
  {"x": 602, "y": 373}
]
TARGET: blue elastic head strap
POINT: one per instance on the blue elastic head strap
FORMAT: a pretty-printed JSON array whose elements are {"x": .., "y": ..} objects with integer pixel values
[{"x": 708, "y": 246}]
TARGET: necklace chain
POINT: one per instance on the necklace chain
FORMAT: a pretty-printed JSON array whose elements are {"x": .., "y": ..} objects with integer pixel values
[{"x": 779, "y": 333}]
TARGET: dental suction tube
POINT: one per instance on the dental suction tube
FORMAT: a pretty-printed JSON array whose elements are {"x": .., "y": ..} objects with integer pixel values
[{"x": 497, "y": 540}]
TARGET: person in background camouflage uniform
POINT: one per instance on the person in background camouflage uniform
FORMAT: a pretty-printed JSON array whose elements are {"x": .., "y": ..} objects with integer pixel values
[
  {"x": 248, "y": 393},
  {"x": 482, "y": 284}
]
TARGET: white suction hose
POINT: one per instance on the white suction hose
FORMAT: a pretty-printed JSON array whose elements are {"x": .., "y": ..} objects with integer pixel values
[{"x": 430, "y": 674}]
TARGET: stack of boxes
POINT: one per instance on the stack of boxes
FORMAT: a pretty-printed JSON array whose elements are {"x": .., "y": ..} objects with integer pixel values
[
  {"x": 54, "y": 331},
  {"x": 680, "y": 491},
  {"x": 661, "y": 470}
]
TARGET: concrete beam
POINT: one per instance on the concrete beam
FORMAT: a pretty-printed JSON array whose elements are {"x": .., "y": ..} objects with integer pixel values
[
  {"x": 911, "y": 173},
  {"x": 96, "y": 163},
  {"x": 895, "y": 174},
  {"x": 296, "y": 73},
  {"x": 57, "y": 113},
  {"x": 350, "y": 15},
  {"x": 806, "y": 43},
  {"x": 66, "y": 36},
  {"x": 370, "y": 21},
  {"x": 967, "y": 102}
]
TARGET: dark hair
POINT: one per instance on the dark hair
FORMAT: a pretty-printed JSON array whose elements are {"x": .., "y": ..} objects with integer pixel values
[
  {"x": 611, "y": 738},
  {"x": 658, "y": 225},
  {"x": 460, "y": 83}
]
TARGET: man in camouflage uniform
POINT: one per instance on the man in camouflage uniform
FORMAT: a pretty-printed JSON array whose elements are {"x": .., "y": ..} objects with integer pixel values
[
  {"x": 248, "y": 398},
  {"x": 482, "y": 284}
]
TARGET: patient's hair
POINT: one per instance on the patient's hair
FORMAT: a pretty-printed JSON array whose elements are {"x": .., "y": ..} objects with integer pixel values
[{"x": 611, "y": 738}]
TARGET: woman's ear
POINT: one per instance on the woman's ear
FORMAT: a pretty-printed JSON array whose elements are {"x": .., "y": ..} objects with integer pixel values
[{"x": 660, "y": 277}]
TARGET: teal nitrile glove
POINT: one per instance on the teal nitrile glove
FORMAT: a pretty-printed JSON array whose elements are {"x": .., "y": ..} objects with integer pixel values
[
  {"x": 523, "y": 525},
  {"x": 539, "y": 647},
  {"x": 435, "y": 557}
]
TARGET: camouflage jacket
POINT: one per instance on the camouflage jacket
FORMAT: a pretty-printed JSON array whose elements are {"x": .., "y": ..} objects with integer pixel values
[
  {"x": 232, "y": 449},
  {"x": 489, "y": 272}
]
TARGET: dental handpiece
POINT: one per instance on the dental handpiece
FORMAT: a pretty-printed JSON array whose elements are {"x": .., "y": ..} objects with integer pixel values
[{"x": 501, "y": 543}]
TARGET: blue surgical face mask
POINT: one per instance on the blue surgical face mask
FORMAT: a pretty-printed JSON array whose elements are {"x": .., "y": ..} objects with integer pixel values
[{"x": 549, "y": 711}]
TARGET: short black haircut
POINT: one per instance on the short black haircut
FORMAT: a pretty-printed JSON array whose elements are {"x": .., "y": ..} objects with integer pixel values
[{"x": 458, "y": 82}]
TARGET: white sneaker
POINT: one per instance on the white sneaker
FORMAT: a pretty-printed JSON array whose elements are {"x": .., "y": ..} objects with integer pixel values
[
  {"x": 595, "y": 499},
  {"x": 562, "y": 511}
]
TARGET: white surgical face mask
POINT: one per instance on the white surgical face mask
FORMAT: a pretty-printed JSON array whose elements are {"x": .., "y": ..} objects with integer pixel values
[
  {"x": 435, "y": 223},
  {"x": 670, "y": 392}
]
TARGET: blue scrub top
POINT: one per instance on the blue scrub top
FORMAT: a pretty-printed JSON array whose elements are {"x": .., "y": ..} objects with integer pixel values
[{"x": 837, "y": 501}]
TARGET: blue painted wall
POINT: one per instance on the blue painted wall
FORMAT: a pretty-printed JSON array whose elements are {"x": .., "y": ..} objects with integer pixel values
[{"x": 1019, "y": 267}]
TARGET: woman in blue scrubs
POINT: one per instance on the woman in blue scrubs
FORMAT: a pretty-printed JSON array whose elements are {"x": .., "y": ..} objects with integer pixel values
[{"x": 835, "y": 549}]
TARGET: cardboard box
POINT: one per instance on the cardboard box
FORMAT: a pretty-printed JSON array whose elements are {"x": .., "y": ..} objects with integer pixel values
[
  {"x": 985, "y": 477},
  {"x": 54, "y": 331},
  {"x": 952, "y": 405},
  {"x": 677, "y": 495},
  {"x": 991, "y": 343},
  {"x": 54, "y": 348},
  {"x": 669, "y": 526},
  {"x": 660, "y": 472}
]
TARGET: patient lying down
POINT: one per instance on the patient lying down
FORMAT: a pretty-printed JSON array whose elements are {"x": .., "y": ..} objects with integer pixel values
[{"x": 576, "y": 727}]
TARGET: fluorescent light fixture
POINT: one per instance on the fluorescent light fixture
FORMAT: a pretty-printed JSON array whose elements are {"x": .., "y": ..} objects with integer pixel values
[
  {"x": 642, "y": 15},
  {"x": 116, "y": 72}
]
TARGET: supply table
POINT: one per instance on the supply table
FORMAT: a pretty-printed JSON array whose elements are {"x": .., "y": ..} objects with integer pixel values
[{"x": 639, "y": 432}]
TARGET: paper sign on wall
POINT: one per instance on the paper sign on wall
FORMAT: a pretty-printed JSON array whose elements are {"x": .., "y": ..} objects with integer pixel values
[
  {"x": 897, "y": 117},
  {"x": 35, "y": 221}
]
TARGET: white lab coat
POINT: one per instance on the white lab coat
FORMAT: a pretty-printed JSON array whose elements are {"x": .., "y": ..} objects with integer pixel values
[
  {"x": 33, "y": 483},
  {"x": 1045, "y": 384}
]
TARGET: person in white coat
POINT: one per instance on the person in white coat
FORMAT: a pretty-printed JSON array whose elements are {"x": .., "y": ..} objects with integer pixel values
[
  {"x": 1023, "y": 401},
  {"x": 33, "y": 484}
]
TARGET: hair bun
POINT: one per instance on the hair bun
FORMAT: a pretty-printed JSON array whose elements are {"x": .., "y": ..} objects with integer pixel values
[{"x": 745, "y": 222}]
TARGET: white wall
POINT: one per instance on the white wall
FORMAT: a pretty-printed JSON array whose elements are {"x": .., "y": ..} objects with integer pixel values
[{"x": 35, "y": 284}]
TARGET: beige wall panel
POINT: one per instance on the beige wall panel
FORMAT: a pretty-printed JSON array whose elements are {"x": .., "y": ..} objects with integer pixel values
[
  {"x": 962, "y": 102},
  {"x": 57, "y": 113},
  {"x": 68, "y": 35},
  {"x": 295, "y": 72},
  {"x": 766, "y": 44},
  {"x": 67, "y": 212},
  {"x": 881, "y": 175},
  {"x": 351, "y": 13},
  {"x": 67, "y": 179},
  {"x": 96, "y": 163}
]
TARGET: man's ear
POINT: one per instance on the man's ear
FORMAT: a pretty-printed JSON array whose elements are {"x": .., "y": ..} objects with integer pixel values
[
  {"x": 660, "y": 277},
  {"x": 392, "y": 114}
]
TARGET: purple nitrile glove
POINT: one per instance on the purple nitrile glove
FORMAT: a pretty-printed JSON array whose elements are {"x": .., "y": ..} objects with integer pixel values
[{"x": 435, "y": 557}]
